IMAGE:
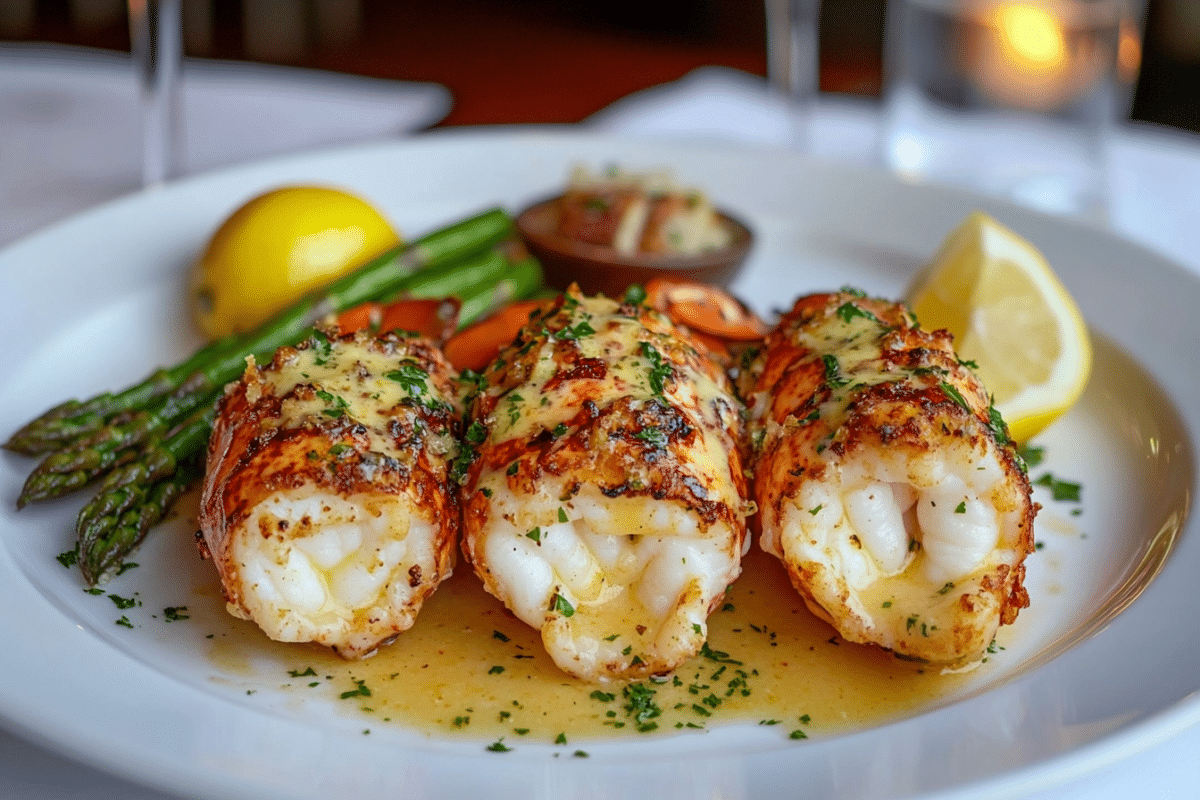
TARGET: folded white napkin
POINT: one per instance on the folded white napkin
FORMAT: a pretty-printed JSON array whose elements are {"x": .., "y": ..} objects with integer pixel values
[
  {"x": 70, "y": 133},
  {"x": 719, "y": 103}
]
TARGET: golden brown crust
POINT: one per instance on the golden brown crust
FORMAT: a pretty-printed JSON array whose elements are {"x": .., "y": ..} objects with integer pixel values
[
  {"x": 261, "y": 446},
  {"x": 596, "y": 399},
  {"x": 907, "y": 392}
]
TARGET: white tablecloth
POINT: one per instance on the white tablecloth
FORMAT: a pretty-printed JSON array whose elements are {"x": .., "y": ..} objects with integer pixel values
[{"x": 68, "y": 139}]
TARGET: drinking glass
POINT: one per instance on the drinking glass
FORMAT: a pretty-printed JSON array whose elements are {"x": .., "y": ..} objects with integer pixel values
[
  {"x": 155, "y": 31},
  {"x": 1015, "y": 98},
  {"x": 793, "y": 69}
]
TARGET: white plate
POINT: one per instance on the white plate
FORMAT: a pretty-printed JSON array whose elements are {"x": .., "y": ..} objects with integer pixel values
[{"x": 1101, "y": 666}]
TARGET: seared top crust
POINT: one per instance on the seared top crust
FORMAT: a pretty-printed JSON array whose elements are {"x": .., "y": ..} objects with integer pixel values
[
  {"x": 610, "y": 394},
  {"x": 842, "y": 367},
  {"x": 353, "y": 414}
]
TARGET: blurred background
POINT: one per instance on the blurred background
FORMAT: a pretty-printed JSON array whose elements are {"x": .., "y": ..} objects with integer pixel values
[{"x": 559, "y": 61}]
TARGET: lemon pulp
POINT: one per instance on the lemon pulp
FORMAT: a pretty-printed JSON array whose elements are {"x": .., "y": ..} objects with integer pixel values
[
  {"x": 279, "y": 246},
  {"x": 1012, "y": 317}
]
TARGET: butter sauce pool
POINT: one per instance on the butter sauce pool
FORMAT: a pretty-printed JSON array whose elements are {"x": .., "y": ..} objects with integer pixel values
[{"x": 468, "y": 668}]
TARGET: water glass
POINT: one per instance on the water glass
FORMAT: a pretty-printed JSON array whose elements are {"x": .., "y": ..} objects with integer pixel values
[{"x": 1015, "y": 98}]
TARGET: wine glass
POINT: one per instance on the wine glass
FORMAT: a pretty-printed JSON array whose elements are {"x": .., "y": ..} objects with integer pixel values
[
  {"x": 793, "y": 71},
  {"x": 155, "y": 31}
]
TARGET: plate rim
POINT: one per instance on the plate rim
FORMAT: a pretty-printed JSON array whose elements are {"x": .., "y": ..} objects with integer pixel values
[{"x": 1100, "y": 751}]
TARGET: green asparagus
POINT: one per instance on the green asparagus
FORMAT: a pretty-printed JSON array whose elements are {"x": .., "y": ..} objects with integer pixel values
[
  {"x": 135, "y": 495},
  {"x": 391, "y": 272}
]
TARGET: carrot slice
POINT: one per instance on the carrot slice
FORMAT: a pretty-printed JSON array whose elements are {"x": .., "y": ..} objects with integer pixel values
[
  {"x": 433, "y": 318},
  {"x": 705, "y": 309},
  {"x": 364, "y": 316},
  {"x": 475, "y": 347}
]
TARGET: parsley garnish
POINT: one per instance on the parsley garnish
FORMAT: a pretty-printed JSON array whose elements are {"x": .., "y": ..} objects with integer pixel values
[
  {"x": 954, "y": 394},
  {"x": 847, "y": 312},
  {"x": 659, "y": 370},
  {"x": 1060, "y": 489},
  {"x": 640, "y": 706},
  {"x": 652, "y": 436},
  {"x": 1032, "y": 455},
  {"x": 124, "y": 603},
  {"x": 477, "y": 433},
  {"x": 561, "y": 605},
  {"x": 339, "y": 404},
  {"x": 577, "y": 332},
  {"x": 360, "y": 690},
  {"x": 175, "y": 613},
  {"x": 833, "y": 376},
  {"x": 321, "y": 347},
  {"x": 409, "y": 375}
]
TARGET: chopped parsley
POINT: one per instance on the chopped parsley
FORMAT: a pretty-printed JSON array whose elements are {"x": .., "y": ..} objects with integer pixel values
[
  {"x": 410, "y": 376},
  {"x": 321, "y": 346},
  {"x": 562, "y": 605},
  {"x": 477, "y": 433},
  {"x": 1059, "y": 489},
  {"x": 652, "y": 436},
  {"x": 833, "y": 377},
  {"x": 360, "y": 690},
  {"x": 954, "y": 394},
  {"x": 640, "y": 706},
  {"x": 1032, "y": 455},
  {"x": 848, "y": 312},
  {"x": 339, "y": 404},
  {"x": 124, "y": 603},
  {"x": 659, "y": 370},
  {"x": 577, "y": 331}
]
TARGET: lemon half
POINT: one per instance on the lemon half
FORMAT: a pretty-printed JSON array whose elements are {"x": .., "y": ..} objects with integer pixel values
[
  {"x": 278, "y": 247},
  {"x": 1010, "y": 315}
]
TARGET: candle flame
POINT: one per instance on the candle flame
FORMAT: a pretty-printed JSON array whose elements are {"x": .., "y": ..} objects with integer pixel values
[{"x": 1030, "y": 36}]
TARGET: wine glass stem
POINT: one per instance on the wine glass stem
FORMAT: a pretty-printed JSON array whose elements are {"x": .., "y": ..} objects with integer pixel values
[
  {"x": 156, "y": 36},
  {"x": 793, "y": 68}
]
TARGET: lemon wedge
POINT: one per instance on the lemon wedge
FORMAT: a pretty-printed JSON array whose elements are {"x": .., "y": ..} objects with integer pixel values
[
  {"x": 279, "y": 246},
  {"x": 1012, "y": 317}
]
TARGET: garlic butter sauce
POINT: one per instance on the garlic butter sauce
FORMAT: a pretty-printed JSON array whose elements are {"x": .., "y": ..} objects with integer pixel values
[{"x": 468, "y": 668}]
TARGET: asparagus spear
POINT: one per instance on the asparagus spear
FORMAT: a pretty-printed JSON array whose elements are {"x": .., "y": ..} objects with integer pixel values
[
  {"x": 66, "y": 470},
  {"x": 387, "y": 273},
  {"x": 106, "y": 541},
  {"x": 521, "y": 280},
  {"x": 76, "y": 465}
]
